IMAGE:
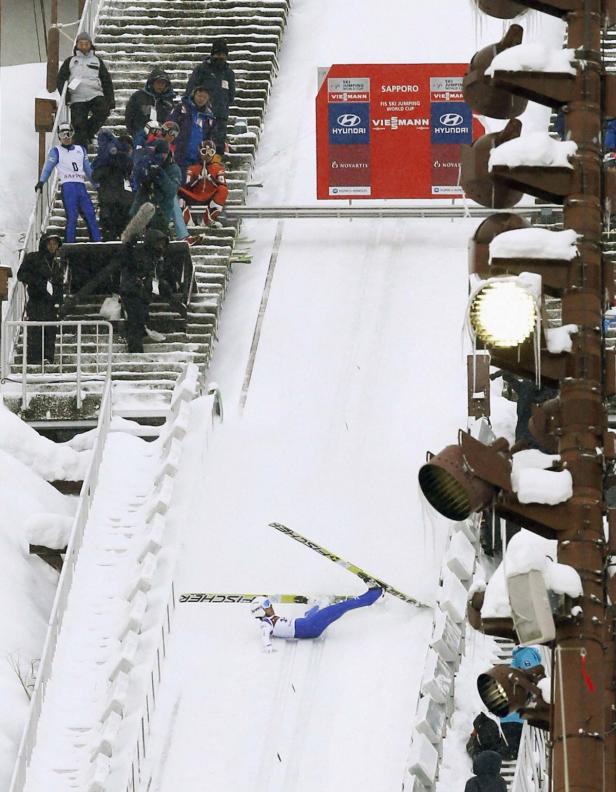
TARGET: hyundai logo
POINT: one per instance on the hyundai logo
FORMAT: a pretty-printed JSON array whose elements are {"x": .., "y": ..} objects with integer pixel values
[
  {"x": 348, "y": 120},
  {"x": 451, "y": 119}
]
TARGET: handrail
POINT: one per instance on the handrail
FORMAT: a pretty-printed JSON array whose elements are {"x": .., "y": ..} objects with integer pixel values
[
  {"x": 41, "y": 212},
  {"x": 86, "y": 497},
  {"x": 78, "y": 376},
  {"x": 532, "y": 767}
]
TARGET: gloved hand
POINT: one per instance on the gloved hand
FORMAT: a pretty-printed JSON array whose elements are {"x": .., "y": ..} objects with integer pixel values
[
  {"x": 38, "y": 187},
  {"x": 268, "y": 649}
]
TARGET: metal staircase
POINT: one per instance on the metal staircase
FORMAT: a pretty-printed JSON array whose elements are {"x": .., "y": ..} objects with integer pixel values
[{"x": 132, "y": 38}]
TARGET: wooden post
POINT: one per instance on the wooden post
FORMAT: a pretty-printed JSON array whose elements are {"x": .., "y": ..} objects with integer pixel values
[
  {"x": 44, "y": 117},
  {"x": 53, "y": 49}
]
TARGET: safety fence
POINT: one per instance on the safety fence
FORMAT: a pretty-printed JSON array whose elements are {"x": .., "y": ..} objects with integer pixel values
[
  {"x": 64, "y": 586},
  {"x": 435, "y": 705},
  {"x": 39, "y": 217},
  {"x": 532, "y": 767},
  {"x": 69, "y": 353}
]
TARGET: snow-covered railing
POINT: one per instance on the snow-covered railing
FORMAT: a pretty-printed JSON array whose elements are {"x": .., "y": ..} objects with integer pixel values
[
  {"x": 435, "y": 704},
  {"x": 39, "y": 217},
  {"x": 531, "y": 771},
  {"x": 64, "y": 585},
  {"x": 102, "y": 364}
]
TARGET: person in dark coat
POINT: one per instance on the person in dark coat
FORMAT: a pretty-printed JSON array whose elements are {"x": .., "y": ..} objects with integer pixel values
[
  {"x": 158, "y": 179},
  {"x": 196, "y": 122},
  {"x": 43, "y": 275},
  {"x": 90, "y": 89},
  {"x": 111, "y": 170},
  {"x": 215, "y": 71},
  {"x": 138, "y": 264},
  {"x": 153, "y": 102},
  {"x": 487, "y": 778},
  {"x": 485, "y": 736},
  {"x": 527, "y": 394}
]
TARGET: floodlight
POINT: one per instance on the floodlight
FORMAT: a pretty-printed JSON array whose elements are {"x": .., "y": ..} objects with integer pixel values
[
  {"x": 504, "y": 311},
  {"x": 504, "y": 689}
]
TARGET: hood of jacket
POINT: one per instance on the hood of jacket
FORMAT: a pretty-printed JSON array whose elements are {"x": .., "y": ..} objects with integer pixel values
[
  {"x": 152, "y": 236},
  {"x": 158, "y": 74},
  {"x": 44, "y": 239},
  {"x": 487, "y": 763}
]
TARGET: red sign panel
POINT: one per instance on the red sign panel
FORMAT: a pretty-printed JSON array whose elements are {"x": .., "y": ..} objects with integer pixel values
[{"x": 392, "y": 131}]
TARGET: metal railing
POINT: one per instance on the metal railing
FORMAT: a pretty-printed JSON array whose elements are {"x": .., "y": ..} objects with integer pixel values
[
  {"x": 59, "y": 604},
  {"x": 39, "y": 217},
  {"x": 532, "y": 766},
  {"x": 69, "y": 364}
]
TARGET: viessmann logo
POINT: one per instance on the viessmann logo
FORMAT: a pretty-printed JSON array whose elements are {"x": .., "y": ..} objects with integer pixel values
[
  {"x": 451, "y": 119},
  {"x": 348, "y": 120}
]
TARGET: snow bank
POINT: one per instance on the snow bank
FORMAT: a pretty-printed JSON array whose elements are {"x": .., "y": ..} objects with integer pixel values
[
  {"x": 558, "y": 339},
  {"x": 535, "y": 243},
  {"x": 27, "y": 587},
  {"x": 536, "y": 149},
  {"x": 527, "y": 551},
  {"x": 48, "y": 530},
  {"x": 52, "y": 461},
  {"x": 530, "y": 458},
  {"x": 534, "y": 57}
]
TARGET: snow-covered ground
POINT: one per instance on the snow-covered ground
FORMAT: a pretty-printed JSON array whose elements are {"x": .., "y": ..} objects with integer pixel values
[{"x": 359, "y": 370}]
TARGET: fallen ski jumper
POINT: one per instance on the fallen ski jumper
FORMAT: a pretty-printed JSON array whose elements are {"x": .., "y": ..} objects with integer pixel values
[{"x": 312, "y": 623}]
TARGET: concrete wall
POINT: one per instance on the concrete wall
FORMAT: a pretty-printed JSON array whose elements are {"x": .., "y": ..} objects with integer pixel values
[{"x": 21, "y": 20}]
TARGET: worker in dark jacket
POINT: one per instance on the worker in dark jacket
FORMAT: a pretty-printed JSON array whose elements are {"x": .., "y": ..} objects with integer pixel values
[
  {"x": 158, "y": 179},
  {"x": 196, "y": 122},
  {"x": 43, "y": 275},
  {"x": 153, "y": 102},
  {"x": 111, "y": 170},
  {"x": 90, "y": 89},
  {"x": 215, "y": 71},
  {"x": 138, "y": 264},
  {"x": 487, "y": 778}
]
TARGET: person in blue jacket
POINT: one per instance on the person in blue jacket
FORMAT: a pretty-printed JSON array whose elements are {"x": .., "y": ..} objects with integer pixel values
[
  {"x": 313, "y": 622},
  {"x": 73, "y": 168},
  {"x": 196, "y": 122},
  {"x": 522, "y": 657}
]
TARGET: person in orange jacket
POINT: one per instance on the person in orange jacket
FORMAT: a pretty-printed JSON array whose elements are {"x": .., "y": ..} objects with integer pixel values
[{"x": 206, "y": 186}]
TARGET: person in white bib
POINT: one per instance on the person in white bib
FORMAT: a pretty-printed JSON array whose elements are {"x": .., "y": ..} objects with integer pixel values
[
  {"x": 73, "y": 168},
  {"x": 312, "y": 623}
]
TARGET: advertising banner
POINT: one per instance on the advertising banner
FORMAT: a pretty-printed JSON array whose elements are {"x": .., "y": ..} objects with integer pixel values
[{"x": 392, "y": 130}]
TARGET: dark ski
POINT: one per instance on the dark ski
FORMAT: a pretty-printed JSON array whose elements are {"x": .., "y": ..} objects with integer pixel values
[{"x": 361, "y": 573}]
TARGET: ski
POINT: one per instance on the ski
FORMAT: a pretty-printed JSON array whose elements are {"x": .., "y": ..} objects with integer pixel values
[
  {"x": 361, "y": 573},
  {"x": 218, "y": 597}
]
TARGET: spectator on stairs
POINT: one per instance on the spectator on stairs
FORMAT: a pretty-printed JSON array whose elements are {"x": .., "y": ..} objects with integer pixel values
[
  {"x": 153, "y": 102},
  {"x": 485, "y": 736},
  {"x": 522, "y": 657},
  {"x": 43, "y": 275},
  {"x": 487, "y": 778},
  {"x": 112, "y": 169},
  {"x": 138, "y": 264},
  {"x": 196, "y": 122},
  {"x": 158, "y": 179},
  {"x": 215, "y": 71},
  {"x": 90, "y": 89},
  {"x": 206, "y": 186},
  {"x": 73, "y": 166}
]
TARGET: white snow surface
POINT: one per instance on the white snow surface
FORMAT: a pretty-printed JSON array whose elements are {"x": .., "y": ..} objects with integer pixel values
[
  {"x": 558, "y": 339},
  {"x": 49, "y": 530},
  {"x": 535, "y": 56},
  {"x": 535, "y": 243},
  {"x": 535, "y": 149},
  {"x": 544, "y": 486},
  {"x": 344, "y": 399},
  {"x": 530, "y": 458},
  {"x": 52, "y": 461}
]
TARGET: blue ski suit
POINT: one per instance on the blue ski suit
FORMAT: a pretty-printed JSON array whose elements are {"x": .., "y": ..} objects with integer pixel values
[
  {"x": 314, "y": 621},
  {"x": 73, "y": 168}
]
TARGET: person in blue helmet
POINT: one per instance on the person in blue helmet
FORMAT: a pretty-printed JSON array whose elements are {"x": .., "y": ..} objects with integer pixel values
[
  {"x": 524, "y": 658},
  {"x": 313, "y": 623}
]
